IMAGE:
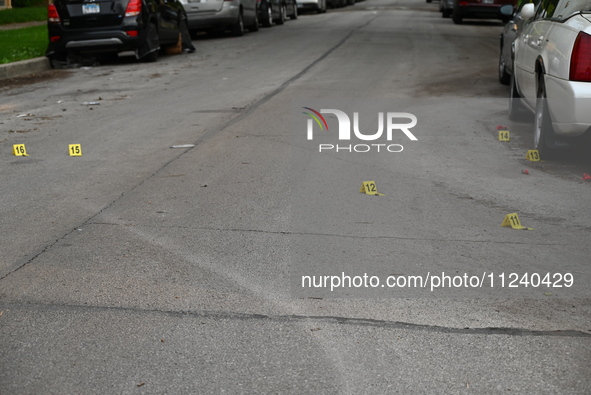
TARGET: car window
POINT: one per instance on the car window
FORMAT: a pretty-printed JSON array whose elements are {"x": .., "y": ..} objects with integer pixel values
[
  {"x": 546, "y": 9},
  {"x": 567, "y": 8}
]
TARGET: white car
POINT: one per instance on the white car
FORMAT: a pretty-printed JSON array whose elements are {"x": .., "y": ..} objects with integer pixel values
[{"x": 552, "y": 71}]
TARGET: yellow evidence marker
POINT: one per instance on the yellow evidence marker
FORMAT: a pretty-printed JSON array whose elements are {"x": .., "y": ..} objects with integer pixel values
[
  {"x": 503, "y": 135},
  {"x": 533, "y": 155},
  {"x": 75, "y": 150},
  {"x": 19, "y": 150},
  {"x": 512, "y": 220},
  {"x": 370, "y": 188}
]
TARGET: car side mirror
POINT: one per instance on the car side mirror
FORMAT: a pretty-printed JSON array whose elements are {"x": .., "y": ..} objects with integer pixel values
[
  {"x": 506, "y": 10},
  {"x": 528, "y": 11}
]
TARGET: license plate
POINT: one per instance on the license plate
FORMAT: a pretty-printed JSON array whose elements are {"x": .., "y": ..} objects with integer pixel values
[{"x": 91, "y": 8}]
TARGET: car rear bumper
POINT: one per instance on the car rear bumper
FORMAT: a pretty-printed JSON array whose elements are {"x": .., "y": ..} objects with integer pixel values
[
  {"x": 103, "y": 40},
  {"x": 485, "y": 11},
  {"x": 308, "y": 4},
  {"x": 569, "y": 103},
  {"x": 227, "y": 16}
]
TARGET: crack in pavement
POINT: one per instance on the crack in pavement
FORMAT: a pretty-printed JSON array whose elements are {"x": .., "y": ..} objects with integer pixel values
[
  {"x": 289, "y": 233},
  {"x": 287, "y": 318}
]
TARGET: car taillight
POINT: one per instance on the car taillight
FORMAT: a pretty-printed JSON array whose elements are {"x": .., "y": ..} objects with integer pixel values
[
  {"x": 132, "y": 33},
  {"x": 55, "y": 39},
  {"x": 463, "y": 3},
  {"x": 52, "y": 14},
  {"x": 580, "y": 59},
  {"x": 134, "y": 7}
]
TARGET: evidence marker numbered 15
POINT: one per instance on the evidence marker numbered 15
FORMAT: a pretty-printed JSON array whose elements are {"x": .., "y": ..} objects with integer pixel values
[{"x": 74, "y": 150}]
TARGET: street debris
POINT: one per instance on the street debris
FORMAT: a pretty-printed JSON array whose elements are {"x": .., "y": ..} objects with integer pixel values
[
  {"x": 586, "y": 177},
  {"x": 525, "y": 171},
  {"x": 91, "y": 103},
  {"x": 24, "y": 115},
  {"x": 183, "y": 146}
]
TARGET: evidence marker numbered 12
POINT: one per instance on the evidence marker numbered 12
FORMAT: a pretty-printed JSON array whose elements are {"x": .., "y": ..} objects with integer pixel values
[{"x": 370, "y": 188}]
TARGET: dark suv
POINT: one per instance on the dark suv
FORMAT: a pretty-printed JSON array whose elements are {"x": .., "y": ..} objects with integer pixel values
[
  {"x": 487, "y": 9},
  {"x": 103, "y": 26}
]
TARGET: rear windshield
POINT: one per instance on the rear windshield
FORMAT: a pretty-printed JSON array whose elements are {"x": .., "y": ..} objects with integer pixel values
[{"x": 566, "y": 8}]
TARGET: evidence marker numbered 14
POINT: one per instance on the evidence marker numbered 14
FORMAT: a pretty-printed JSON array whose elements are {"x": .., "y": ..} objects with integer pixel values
[{"x": 504, "y": 135}]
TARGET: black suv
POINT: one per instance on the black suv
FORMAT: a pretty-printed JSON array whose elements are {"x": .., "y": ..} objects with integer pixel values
[{"x": 111, "y": 26}]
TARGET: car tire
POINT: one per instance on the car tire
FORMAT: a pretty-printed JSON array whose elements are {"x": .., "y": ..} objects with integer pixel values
[
  {"x": 238, "y": 28},
  {"x": 152, "y": 44},
  {"x": 456, "y": 16},
  {"x": 294, "y": 14},
  {"x": 544, "y": 137},
  {"x": 282, "y": 15},
  {"x": 504, "y": 77},
  {"x": 267, "y": 15},
  {"x": 516, "y": 110},
  {"x": 255, "y": 25}
]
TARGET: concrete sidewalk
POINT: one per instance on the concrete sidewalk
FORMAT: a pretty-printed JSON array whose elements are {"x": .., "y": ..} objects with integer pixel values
[{"x": 24, "y": 67}]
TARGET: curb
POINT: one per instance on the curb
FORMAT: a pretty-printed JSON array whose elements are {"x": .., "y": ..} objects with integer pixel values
[{"x": 24, "y": 67}]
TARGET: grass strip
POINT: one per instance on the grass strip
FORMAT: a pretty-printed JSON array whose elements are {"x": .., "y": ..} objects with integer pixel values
[
  {"x": 21, "y": 44},
  {"x": 20, "y": 15}
]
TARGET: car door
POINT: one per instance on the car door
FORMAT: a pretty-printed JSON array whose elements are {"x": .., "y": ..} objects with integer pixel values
[
  {"x": 528, "y": 48},
  {"x": 168, "y": 20}
]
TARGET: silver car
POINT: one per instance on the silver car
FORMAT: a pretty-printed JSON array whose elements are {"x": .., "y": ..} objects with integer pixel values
[
  {"x": 552, "y": 71},
  {"x": 222, "y": 15}
]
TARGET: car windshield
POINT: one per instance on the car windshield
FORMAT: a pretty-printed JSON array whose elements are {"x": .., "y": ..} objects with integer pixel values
[{"x": 569, "y": 7}]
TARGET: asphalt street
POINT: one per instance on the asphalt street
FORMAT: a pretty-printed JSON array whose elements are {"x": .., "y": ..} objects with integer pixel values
[{"x": 141, "y": 268}]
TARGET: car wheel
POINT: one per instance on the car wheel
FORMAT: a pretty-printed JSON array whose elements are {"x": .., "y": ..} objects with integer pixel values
[
  {"x": 515, "y": 106},
  {"x": 282, "y": 15},
  {"x": 294, "y": 15},
  {"x": 544, "y": 137},
  {"x": 456, "y": 16},
  {"x": 267, "y": 15},
  {"x": 255, "y": 25},
  {"x": 152, "y": 44},
  {"x": 238, "y": 28},
  {"x": 504, "y": 77}
]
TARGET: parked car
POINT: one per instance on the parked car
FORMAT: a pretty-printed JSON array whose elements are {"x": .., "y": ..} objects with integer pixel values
[
  {"x": 552, "y": 72},
  {"x": 222, "y": 15},
  {"x": 507, "y": 38},
  {"x": 446, "y": 8},
  {"x": 312, "y": 5},
  {"x": 144, "y": 26},
  {"x": 276, "y": 11},
  {"x": 479, "y": 9}
]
